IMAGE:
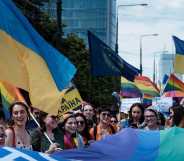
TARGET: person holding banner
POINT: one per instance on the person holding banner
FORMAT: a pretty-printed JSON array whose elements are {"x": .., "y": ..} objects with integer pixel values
[
  {"x": 82, "y": 128},
  {"x": 104, "y": 128},
  {"x": 17, "y": 135},
  {"x": 89, "y": 113},
  {"x": 49, "y": 124},
  {"x": 151, "y": 121},
  {"x": 176, "y": 117},
  {"x": 136, "y": 116},
  {"x": 72, "y": 139}
]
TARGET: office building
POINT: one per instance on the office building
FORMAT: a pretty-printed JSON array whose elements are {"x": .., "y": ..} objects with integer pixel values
[{"x": 79, "y": 16}]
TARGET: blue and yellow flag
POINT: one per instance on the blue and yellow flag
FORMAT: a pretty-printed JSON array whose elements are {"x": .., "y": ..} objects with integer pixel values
[
  {"x": 179, "y": 58},
  {"x": 29, "y": 62}
]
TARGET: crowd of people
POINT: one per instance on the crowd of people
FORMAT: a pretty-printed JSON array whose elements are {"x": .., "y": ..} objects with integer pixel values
[{"x": 78, "y": 128}]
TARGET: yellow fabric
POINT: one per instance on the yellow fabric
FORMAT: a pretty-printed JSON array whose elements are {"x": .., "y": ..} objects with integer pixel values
[
  {"x": 179, "y": 64},
  {"x": 70, "y": 100},
  {"x": 11, "y": 66},
  {"x": 25, "y": 69},
  {"x": 124, "y": 80}
]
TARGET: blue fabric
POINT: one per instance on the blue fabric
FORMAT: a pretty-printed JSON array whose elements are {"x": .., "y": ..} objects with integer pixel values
[
  {"x": 60, "y": 67},
  {"x": 166, "y": 77},
  {"x": 127, "y": 145},
  {"x": 179, "y": 45},
  {"x": 23, "y": 155},
  {"x": 105, "y": 62}
]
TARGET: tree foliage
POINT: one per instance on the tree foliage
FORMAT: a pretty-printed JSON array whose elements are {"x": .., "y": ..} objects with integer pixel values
[{"x": 96, "y": 90}]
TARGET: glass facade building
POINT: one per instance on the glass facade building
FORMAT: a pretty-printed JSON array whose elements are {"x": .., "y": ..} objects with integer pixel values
[{"x": 79, "y": 16}]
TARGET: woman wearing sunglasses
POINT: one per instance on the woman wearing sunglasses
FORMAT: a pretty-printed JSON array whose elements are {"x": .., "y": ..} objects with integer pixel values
[
  {"x": 82, "y": 128},
  {"x": 49, "y": 124},
  {"x": 104, "y": 128}
]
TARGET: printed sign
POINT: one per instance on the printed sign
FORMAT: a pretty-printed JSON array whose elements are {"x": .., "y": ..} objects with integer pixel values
[
  {"x": 162, "y": 104},
  {"x": 70, "y": 100},
  {"x": 126, "y": 103}
]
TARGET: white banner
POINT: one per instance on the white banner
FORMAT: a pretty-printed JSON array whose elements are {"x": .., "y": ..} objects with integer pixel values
[
  {"x": 162, "y": 104},
  {"x": 126, "y": 103}
]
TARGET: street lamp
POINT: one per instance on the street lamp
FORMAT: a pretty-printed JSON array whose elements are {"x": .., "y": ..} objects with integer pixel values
[
  {"x": 117, "y": 19},
  {"x": 141, "y": 37}
]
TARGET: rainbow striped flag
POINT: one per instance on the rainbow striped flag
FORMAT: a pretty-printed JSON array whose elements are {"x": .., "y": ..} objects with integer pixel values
[
  {"x": 133, "y": 145},
  {"x": 129, "y": 89},
  {"x": 9, "y": 94},
  {"x": 146, "y": 86},
  {"x": 174, "y": 84}
]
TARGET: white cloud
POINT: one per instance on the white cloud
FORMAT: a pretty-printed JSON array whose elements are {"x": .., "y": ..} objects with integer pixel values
[
  {"x": 164, "y": 17},
  {"x": 172, "y": 3}
]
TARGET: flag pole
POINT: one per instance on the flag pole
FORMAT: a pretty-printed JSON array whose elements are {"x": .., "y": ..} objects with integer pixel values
[{"x": 32, "y": 116}]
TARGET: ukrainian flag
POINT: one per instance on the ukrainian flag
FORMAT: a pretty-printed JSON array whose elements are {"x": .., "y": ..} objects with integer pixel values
[
  {"x": 29, "y": 62},
  {"x": 179, "y": 58}
]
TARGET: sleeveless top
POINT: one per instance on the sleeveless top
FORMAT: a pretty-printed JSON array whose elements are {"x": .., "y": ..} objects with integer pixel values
[{"x": 18, "y": 143}]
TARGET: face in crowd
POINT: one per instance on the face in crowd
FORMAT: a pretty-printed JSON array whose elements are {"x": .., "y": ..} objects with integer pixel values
[
  {"x": 50, "y": 121},
  {"x": 19, "y": 115},
  {"x": 88, "y": 111},
  {"x": 36, "y": 113},
  {"x": 136, "y": 113},
  {"x": 70, "y": 125},
  {"x": 151, "y": 118},
  {"x": 114, "y": 121},
  {"x": 80, "y": 123},
  {"x": 170, "y": 121},
  {"x": 2, "y": 135},
  {"x": 105, "y": 117}
]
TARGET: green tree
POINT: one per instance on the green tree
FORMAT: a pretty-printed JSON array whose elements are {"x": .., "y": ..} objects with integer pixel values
[{"x": 96, "y": 90}]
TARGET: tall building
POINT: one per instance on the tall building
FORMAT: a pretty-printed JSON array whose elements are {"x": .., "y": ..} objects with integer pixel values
[
  {"x": 165, "y": 65},
  {"x": 79, "y": 16}
]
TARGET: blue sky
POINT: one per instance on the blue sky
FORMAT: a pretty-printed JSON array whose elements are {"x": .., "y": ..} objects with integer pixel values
[{"x": 164, "y": 17}]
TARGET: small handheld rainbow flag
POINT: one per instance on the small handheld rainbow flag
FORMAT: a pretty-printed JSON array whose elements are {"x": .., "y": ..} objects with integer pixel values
[
  {"x": 9, "y": 94},
  {"x": 174, "y": 84}
]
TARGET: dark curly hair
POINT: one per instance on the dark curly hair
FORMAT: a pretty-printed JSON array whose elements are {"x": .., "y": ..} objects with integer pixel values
[{"x": 11, "y": 122}]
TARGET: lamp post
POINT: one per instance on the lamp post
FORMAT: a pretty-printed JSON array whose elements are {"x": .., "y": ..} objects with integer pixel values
[
  {"x": 141, "y": 37},
  {"x": 117, "y": 19}
]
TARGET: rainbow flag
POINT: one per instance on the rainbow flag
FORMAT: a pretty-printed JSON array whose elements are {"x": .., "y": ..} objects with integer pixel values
[
  {"x": 146, "y": 86},
  {"x": 29, "y": 62},
  {"x": 147, "y": 100},
  {"x": 174, "y": 84},
  {"x": 129, "y": 89},
  {"x": 133, "y": 145},
  {"x": 9, "y": 94}
]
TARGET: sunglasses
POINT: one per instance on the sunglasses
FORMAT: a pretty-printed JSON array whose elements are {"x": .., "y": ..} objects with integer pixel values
[
  {"x": 55, "y": 118},
  {"x": 80, "y": 122},
  {"x": 106, "y": 114}
]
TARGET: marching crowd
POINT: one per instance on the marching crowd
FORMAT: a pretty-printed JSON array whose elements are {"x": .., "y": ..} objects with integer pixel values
[{"x": 77, "y": 128}]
